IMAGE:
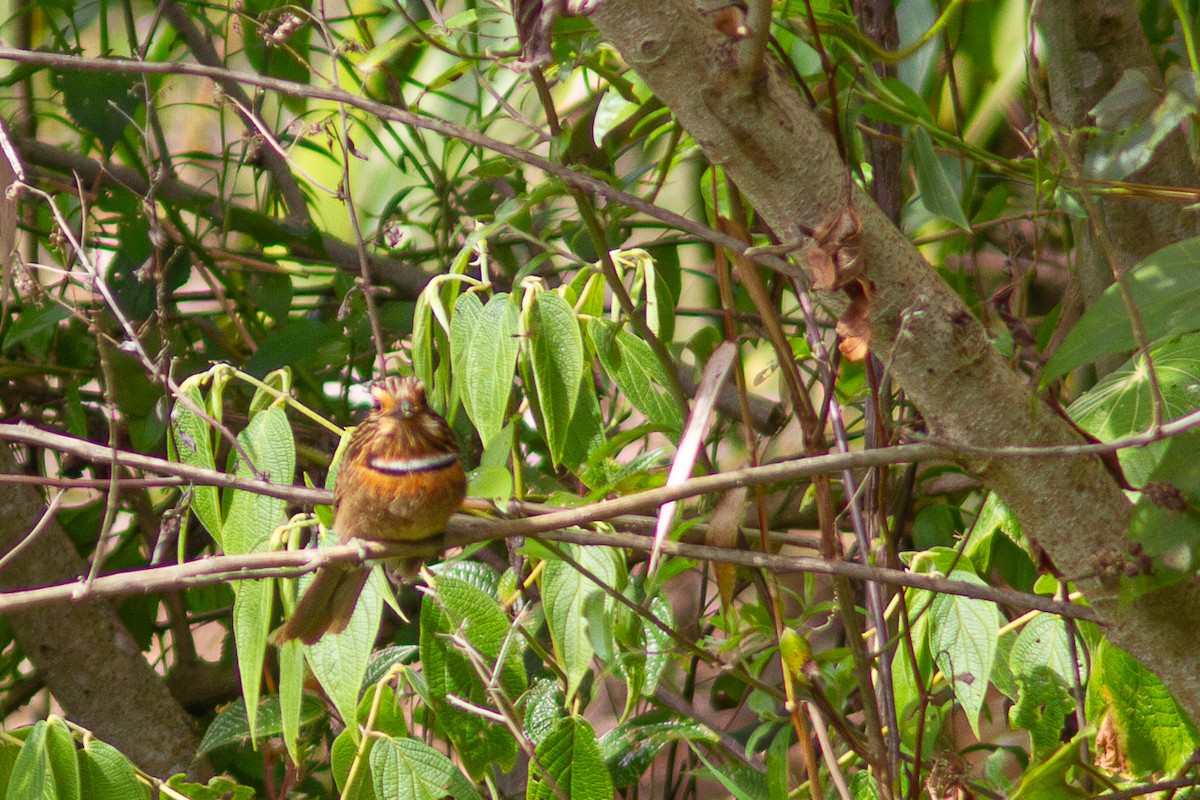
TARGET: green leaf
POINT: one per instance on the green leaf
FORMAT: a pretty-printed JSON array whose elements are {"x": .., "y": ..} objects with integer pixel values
[
  {"x": 306, "y": 345},
  {"x": 457, "y": 617},
  {"x": 341, "y": 760},
  {"x": 383, "y": 659},
  {"x": 568, "y": 598},
  {"x": 585, "y": 438},
  {"x": 630, "y": 747},
  {"x": 1043, "y": 703},
  {"x": 220, "y": 788},
  {"x": 102, "y": 103},
  {"x": 191, "y": 441},
  {"x": 543, "y": 709},
  {"x": 963, "y": 638},
  {"x": 253, "y": 517},
  {"x": 405, "y": 769},
  {"x": 275, "y": 383},
  {"x": 32, "y": 778},
  {"x": 897, "y": 93},
  {"x": 741, "y": 782},
  {"x": 1156, "y": 735},
  {"x": 34, "y": 327},
  {"x": 46, "y": 767},
  {"x": 935, "y": 525},
  {"x": 467, "y": 309},
  {"x": 108, "y": 775},
  {"x": 1165, "y": 287},
  {"x": 569, "y": 759},
  {"x": 60, "y": 745},
  {"x": 339, "y": 661},
  {"x": 271, "y": 293},
  {"x": 389, "y": 717},
  {"x": 446, "y": 670},
  {"x": 1165, "y": 521},
  {"x": 863, "y": 786},
  {"x": 1134, "y": 118},
  {"x": 556, "y": 356},
  {"x": 660, "y": 306},
  {"x": 937, "y": 193},
  {"x": 631, "y": 364},
  {"x": 291, "y": 696},
  {"x": 1049, "y": 780},
  {"x": 288, "y": 61},
  {"x": 475, "y": 614},
  {"x": 231, "y": 726},
  {"x": 1043, "y": 644},
  {"x": 249, "y": 523},
  {"x": 777, "y": 764},
  {"x": 251, "y": 626},
  {"x": 9, "y": 750},
  {"x": 491, "y": 359},
  {"x": 476, "y": 573},
  {"x": 644, "y": 649},
  {"x": 993, "y": 517},
  {"x": 251, "y": 520},
  {"x": 658, "y": 643},
  {"x": 911, "y": 679},
  {"x": 1119, "y": 405},
  {"x": 612, "y": 110}
]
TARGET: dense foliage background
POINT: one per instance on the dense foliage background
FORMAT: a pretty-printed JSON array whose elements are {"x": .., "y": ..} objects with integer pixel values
[{"x": 857, "y": 263}]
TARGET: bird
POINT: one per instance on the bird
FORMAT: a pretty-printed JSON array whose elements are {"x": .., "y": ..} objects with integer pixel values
[{"x": 400, "y": 481}]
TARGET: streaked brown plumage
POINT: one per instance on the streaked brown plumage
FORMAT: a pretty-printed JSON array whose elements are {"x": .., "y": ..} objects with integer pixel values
[{"x": 400, "y": 481}]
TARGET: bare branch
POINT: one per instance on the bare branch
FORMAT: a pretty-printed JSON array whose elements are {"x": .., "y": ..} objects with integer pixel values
[
  {"x": 580, "y": 180},
  {"x": 291, "y": 563}
]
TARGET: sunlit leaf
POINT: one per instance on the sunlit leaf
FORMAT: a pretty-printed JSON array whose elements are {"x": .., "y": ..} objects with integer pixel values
[
  {"x": 937, "y": 192},
  {"x": 405, "y": 769},
  {"x": 1119, "y": 405},
  {"x": 1165, "y": 287},
  {"x": 108, "y": 775},
  {"x": 631, "y": 364},
  {"x": 556, "y": 356},
  {"x": 490, "y": 363},
  {"x": 569, "y": 759},
  {"x": 567, "y": 597},
  {"x": 1156, "y": 735},
  {"x": 963, "y": 638}
]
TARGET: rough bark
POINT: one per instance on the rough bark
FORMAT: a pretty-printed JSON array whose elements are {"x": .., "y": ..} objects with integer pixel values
[
  {"x": 85, "y": 656},
  {"x": 761, "y": 131}
]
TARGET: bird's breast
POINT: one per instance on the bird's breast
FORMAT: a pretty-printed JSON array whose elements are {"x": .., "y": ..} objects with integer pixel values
[{"x": 388, "y": 500}]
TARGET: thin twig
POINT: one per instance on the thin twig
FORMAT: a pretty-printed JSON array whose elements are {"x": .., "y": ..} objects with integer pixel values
[
  {"x": 38, "y": 529},
  {"x": 778, "y": 472},
  {"x": 202, "y": 49},
  {"x": 571, "y": 177},
  {"x": 292, "y": 563}
]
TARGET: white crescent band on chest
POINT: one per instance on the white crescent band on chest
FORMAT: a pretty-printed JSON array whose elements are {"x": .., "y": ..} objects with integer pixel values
[{"x": 408, "y": 466}]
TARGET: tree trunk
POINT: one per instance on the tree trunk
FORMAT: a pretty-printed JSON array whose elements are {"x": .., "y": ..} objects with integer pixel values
[
  {"x": 1089, "y": 46},
  {"x": 760, "y": 130},
  {"x": 82, "y": 651}
]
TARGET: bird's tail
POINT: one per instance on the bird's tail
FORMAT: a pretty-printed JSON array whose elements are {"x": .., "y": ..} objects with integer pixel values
[{"x": 326, "y": 606}]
